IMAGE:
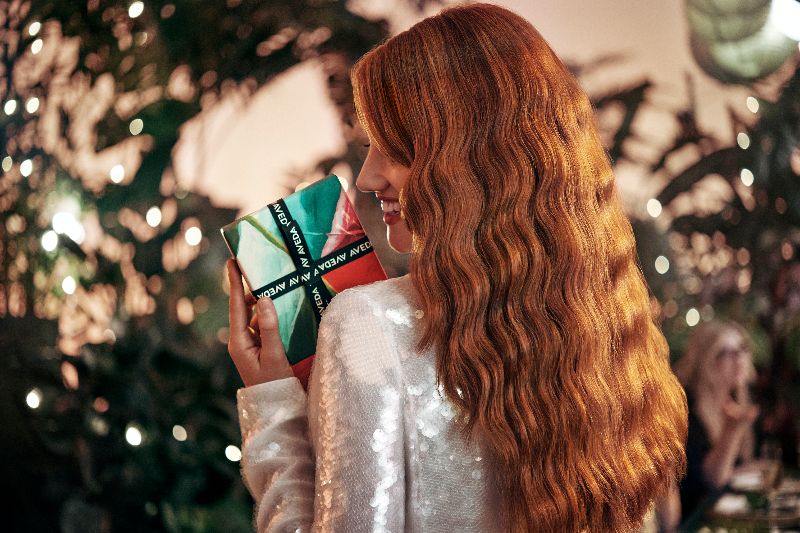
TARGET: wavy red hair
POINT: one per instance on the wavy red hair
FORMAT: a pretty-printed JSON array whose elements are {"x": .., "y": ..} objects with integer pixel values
[{"x": 527, "y": 269}]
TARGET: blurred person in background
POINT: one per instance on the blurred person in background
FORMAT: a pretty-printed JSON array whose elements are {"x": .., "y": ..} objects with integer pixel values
[{"x": 716, "y": 371}]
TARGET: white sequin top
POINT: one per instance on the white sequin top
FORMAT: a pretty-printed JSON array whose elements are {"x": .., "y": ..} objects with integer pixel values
[{"x": 388, "y": 456}]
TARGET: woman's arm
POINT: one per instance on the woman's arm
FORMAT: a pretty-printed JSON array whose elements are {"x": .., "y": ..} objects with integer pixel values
[
  {"x": 354, "y": 419},
  {"x": 719, "y": 464}
]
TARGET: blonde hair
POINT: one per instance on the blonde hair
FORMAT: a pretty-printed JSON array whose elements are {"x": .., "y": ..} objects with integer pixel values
[{"x": 527, "y": 269}]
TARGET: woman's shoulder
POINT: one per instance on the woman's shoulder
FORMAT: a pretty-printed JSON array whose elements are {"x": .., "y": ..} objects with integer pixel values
[{"x": 385, "y": 299}]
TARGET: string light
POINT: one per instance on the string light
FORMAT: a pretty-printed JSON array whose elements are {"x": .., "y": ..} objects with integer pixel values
[
  {"x": 7, "y": 162},
  {"x": 747, "y": 177},
  {"x": 34, "y": 28},
  {"x": 193, "y": 236},
  {"x": 133, "y": 435},
  {"x": 179, "y": 433},
  {"x": 662, "y": 264},
  {"x": 69, "y": 285},
  {"x": 117, "y": 173},
  {"x": 653, "y": 207},
  {"x": 692, "y": 317},
  {"x": 49, "y": 240},
  {"x": 136, "y": 126},
  {"x": 26, "y": 168},
  {"x": 36, "y": 46},
  {"x": 743, "y": 140},
  {"x": 135, "y": 9},
  {"x": 32, "y": 105},
  {"x": 65, "y": 223},
  {"x": 10, "y": 107},
  {"x": 153, "y": 216},
  {"x": 233, "y": 453},
  {"x": 752, "y": 104},
  {"x": 34, "y": 398}
]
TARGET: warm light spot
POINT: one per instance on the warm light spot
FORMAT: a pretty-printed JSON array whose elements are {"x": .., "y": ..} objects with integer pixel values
[
  {"x": 32, "y": 105},
  {"x": 787, "y": 250},
  {"x": 743, "y": 256},
  {"x": 153, "y": 216},
  {"x": 743, "y": 140},
  {"x": 36, "y": 46},
  {"x": 185, "y": 310},
  {"x": 136, "y": 126},
  {"x": 179, "y": 433},
  {"x": 747, "y": 177},
  {"x": 70, "y": 375},
  {"x": 49, "y": 240},
  {"x": 133, "y": 435},
  {"x": 100, "y": 404},
  {"x": 780, "y": 205},
  {"x": 69, "y": 285},
  {"x": 662, "y": 264},
  {"x": 692, "y": 317},
  {"x": 26, "y": 168},
  {"x": 10, "y": 107},
  {"x": 7, "y": 162},
  {"x": 752, "y": 104},
  {"x": 135, "y": 9},
  {"x": 653, "y": 207},
  {"x": 34, "y": 28},
  {"x": 117, "y": 173},
  {"x": 34, "y": 398},
  {"x": 193, "y": 236},
  {"x": 233, "y": 453}
]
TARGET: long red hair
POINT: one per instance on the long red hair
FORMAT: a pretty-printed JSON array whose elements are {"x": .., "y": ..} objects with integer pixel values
[{"x": 527, "y": 269}]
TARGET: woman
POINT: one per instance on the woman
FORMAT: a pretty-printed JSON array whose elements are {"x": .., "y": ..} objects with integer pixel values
[
  {"x": 514, "y": 380},
  {"x": 716, "y": 370}
]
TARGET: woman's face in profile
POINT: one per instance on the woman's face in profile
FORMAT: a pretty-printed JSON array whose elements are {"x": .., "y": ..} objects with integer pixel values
[
  {"x": 386, "y": 178},
  {"x": 733, "y": 360}
]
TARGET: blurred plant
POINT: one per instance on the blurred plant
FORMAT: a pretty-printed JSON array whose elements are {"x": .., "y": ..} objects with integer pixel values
[{"x": 117, "y": 395}]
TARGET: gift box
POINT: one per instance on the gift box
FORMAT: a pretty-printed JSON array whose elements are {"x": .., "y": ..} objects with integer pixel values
[{"x": 301, "y": 251}]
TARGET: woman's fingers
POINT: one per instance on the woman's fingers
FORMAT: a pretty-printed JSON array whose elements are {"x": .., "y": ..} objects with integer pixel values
[
  {"x": 268, "y": 330},
  {"x": 237, "y": 310}
]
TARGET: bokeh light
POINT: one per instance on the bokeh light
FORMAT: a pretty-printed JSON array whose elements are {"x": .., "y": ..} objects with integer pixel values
[
  {"x": 136, "y": 126},
  {"x": 662, "y": 264},
  {"x": 193, "y": 236},
  {"x": 34, "y": 398},
  {"x": 179, "y": 433},
  {"x": 233, "y": 453},
  {"x": 747, "y": 177},
  {"x": 653, "y": 207},
  {"x": 692, "y": 317},
  {"x": 133, "y": 434},
  {"x": 117, "y": 173},
  {"x": 153, "y": 216},
  {"x": 49, "y": 240},
  {"x": 135, "y": 9}
]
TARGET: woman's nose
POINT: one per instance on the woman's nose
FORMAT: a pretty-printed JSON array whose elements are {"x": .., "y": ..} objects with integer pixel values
[{"x": 370, "y": 178}]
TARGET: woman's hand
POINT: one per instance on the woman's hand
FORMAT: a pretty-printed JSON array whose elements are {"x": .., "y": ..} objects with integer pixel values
[
  {"x": 255, "y": 343},
  {"x": 739, "y": 416}
]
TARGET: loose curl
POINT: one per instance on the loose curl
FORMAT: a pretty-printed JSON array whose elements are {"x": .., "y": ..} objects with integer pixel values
[{"x": 527, "y": 269}]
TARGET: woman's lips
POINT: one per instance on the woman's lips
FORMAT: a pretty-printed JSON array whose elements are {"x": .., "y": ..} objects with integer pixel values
[{"x": 391, "y": 218}]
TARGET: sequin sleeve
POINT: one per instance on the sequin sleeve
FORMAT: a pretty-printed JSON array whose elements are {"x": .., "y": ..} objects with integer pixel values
[
  {"x": 356, "y": 410},
  {"x": 349, "y": 427},
  {"x": 277, "y": 462}
]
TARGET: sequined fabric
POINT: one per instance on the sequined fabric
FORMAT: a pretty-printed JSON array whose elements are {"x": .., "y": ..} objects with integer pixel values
[{"x": 373, "y": 447}]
